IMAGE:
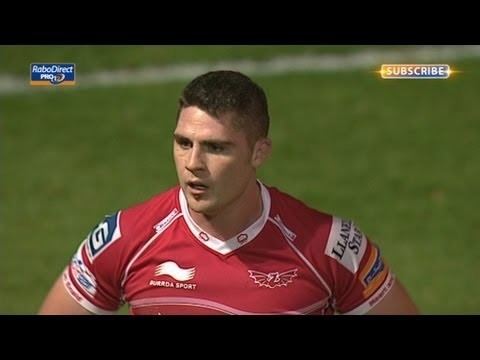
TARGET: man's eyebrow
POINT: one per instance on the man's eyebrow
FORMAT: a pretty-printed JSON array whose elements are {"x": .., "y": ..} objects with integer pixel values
[
  {"x": 180, "y": 137},
  {"x": 217, "y": 142}
]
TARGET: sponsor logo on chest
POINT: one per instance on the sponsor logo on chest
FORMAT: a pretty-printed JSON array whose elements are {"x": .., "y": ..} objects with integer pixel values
[{"x": 173, "y": 276}]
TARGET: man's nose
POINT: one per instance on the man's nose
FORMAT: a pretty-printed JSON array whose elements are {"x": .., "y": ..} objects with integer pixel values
[{"x": 195, "y": 160}]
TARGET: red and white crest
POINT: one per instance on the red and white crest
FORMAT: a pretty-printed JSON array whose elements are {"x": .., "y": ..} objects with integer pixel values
[{"x": 273, "y": 279}]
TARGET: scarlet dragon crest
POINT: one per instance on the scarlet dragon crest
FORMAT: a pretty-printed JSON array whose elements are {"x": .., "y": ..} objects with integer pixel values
[{"x": 273, "y": 279}]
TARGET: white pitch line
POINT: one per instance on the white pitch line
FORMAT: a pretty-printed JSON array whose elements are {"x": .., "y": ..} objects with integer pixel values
[{"x": 278, "y": 65}]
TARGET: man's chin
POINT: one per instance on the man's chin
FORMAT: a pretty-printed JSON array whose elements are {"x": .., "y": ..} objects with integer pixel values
[{"x": 198, "y": 204}]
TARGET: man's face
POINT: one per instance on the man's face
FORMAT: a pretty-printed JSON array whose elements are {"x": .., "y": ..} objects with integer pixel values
[{"x": 213, "y": 161}]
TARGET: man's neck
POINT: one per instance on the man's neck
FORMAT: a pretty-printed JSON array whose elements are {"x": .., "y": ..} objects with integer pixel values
[{"x": 236, "y": 217}]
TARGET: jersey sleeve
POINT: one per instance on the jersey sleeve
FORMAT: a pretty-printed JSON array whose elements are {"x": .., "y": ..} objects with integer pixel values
[
  {"x": 361, "y": 276},
  {"x": 93, "y": 278}
]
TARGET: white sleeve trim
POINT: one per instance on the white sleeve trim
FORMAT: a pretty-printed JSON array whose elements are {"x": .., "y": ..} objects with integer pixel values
[
  {"x": 375, "y": 298},
  {"x": 79, "y": 298}
]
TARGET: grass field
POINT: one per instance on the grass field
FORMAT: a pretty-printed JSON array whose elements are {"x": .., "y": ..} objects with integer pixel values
[
  {"x": 90, "y": 58},
  {"x": 398, "y": 157}
]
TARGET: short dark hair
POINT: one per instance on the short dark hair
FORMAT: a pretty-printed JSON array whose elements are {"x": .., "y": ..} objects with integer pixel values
[{"x": 229, "y": 92}]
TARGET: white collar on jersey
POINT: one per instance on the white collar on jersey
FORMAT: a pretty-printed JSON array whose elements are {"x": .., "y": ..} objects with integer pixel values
[{"x": 226, "y": 246}]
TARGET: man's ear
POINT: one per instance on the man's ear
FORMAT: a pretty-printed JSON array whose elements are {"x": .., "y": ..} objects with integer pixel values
[{"x": 261, "y": 151}]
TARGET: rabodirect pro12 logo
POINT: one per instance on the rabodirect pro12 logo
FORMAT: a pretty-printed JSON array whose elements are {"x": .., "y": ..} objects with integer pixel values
[{"x": 49, "y": 74}]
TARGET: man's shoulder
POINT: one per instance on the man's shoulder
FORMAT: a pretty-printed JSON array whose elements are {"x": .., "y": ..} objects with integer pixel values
[
  {"x": 113, "y": 242},
  {"x": 299, "y": 222},
  {"x": 290, "y": 205},
  {"x": 151, "y": 209},
  {"x": 165, "y": 198}
]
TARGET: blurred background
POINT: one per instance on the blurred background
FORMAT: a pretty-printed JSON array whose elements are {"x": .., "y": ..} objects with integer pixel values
[{"x": 400, "y": 157}]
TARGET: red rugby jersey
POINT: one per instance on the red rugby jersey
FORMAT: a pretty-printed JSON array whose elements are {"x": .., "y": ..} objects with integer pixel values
[{"x": 292, "y": 260}]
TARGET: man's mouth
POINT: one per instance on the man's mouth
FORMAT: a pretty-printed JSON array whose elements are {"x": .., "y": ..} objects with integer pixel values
[{"x": 196, "y": 186}]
